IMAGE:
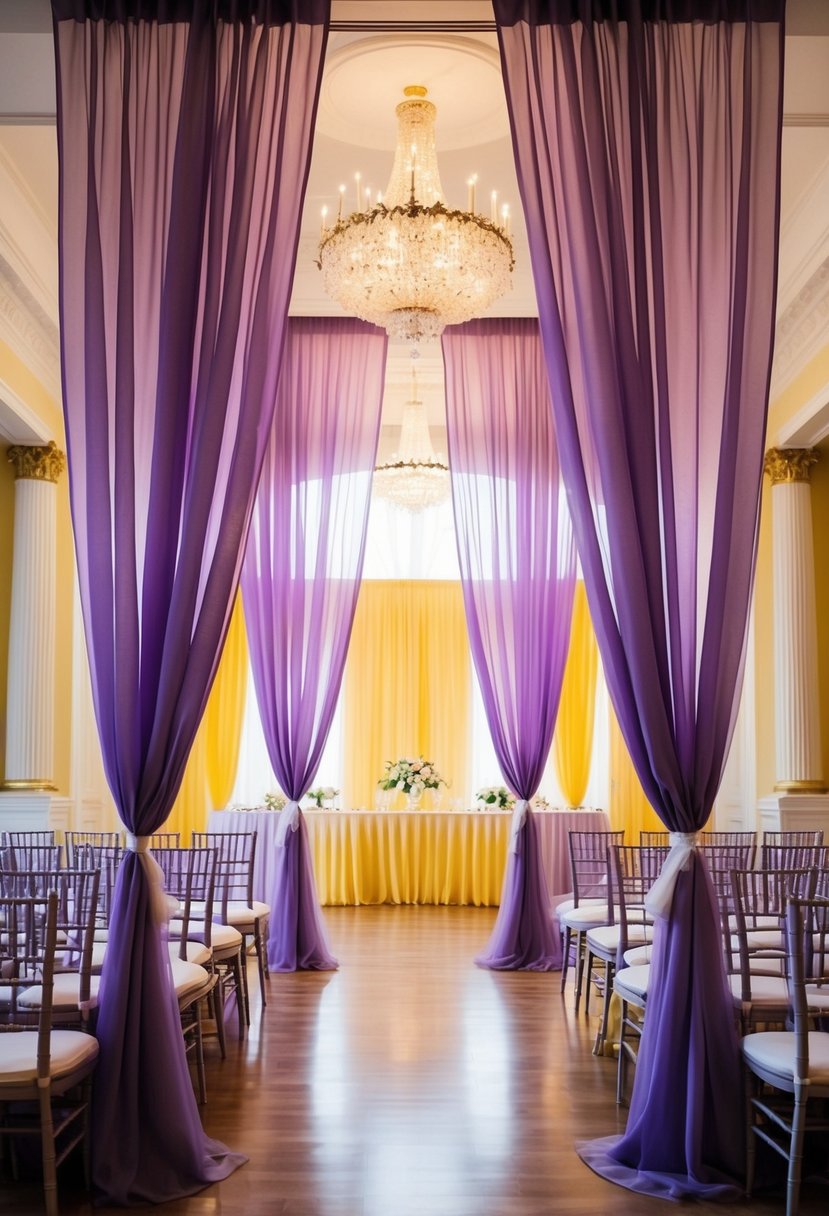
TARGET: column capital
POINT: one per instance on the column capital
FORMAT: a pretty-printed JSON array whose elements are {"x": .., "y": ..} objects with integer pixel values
[
  {"x": 789, "y": 464},
  {"x": 37, "y": 463}
]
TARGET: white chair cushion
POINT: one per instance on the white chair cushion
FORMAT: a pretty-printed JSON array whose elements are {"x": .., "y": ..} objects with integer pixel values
[
  {"x": 760, "y": 939},
  {"x": 237, "y": 912},
  {"x": 818, "y": 997},
  {"x": 70, "y": 1050},
  {"x": 774, "y": 1051},
  {"x": 632, "y": 983},
  {"x": 65, "y": 993},
  {"x": 188, "y": 978},
  {"x": 243, "y": 914},
  {"x": 585, "y": 916},
  {"x": 760, "y": 922},
  {"x": 196, "y": 952},
  {"x": 606, "y": 937},
  {"x": 99, "y": 950},
  {"x": 765, "y": 990},
  {"x": 564, "y": 905},
  {"x": 221, "y": 936},
  {"x": 637, "y": 955}
]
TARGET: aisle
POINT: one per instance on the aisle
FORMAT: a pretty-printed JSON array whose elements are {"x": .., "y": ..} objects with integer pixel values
[{"x": 410, "y": 1083}]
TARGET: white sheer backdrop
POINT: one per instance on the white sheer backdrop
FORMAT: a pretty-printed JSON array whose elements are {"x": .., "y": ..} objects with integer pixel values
[{"x": 421, "y": 546}]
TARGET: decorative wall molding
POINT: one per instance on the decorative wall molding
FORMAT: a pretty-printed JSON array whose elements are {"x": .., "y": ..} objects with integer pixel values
[
  {"x": 802, "y": 329},
  {"x": 28, "y": 329}
]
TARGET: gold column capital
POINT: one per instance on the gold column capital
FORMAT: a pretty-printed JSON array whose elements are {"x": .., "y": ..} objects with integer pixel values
[
  {"x": 789, "y": 464},
  {"x": 36, "y": 463}
]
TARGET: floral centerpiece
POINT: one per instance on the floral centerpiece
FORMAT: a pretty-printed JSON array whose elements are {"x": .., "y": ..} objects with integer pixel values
[
  {"x": 411, "y": 777},
  {"x": 323, "y": 793},
  {"x": 275, "y": 800},
  {"x": 541, "y": 803},
  {"x": 496, "y": 795}
]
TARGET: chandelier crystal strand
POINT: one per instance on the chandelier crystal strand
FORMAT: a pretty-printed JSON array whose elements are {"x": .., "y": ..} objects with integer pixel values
[
  {"x": 415, "y": 477},
  {"x": 410, "y": 263}
]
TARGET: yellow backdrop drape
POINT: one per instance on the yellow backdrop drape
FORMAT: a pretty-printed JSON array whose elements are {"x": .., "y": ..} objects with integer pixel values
[
  {"x": 573, "y": 739},
  {"x": 629, "y": 808},
  {"x": 211, "y": 767},
  {"x": 408, "y": 686}
]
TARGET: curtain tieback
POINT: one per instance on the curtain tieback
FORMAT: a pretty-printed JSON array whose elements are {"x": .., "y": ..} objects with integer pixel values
[
  {"x": 519, "y": 818},
  {"x": 162, "y": 905},
  {"x": 660, "y": 897},
  {"x": 138, "y": 844},
  {"x": 288, "y": 822}
]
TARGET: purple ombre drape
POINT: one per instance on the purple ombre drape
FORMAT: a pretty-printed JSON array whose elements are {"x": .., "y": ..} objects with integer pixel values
[
  {"x": 647, "y": 151},
  {"x": 517, "y": 561},
  {"x": 184, "y": 144},
  {"x": 300, "y": 583}
]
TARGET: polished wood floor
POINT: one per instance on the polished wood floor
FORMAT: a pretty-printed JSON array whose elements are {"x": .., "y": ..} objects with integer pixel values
[{"x": 410, "y": 1083}]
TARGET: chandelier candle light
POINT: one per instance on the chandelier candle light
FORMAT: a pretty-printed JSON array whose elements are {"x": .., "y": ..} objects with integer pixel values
[
  {"x": 415, "y": 477},
  {"x": 409, "y": 263}
]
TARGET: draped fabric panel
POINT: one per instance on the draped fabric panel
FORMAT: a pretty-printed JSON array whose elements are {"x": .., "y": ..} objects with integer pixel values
[
  {"x": 300, "y": 584},
  {"x": 408, "y": 688},
  {"x": 573, "y": 738},
  {"x": 184, "y": 144},
  {"x": 647, "y": 143},
  {"x": 518, "y": 567}
]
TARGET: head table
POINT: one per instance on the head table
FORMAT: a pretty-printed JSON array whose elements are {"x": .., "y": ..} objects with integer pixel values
[{"x": 411, "y": 857}]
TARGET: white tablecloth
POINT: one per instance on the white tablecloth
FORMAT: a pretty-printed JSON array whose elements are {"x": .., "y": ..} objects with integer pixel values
[{"x": 452, "y": 857}]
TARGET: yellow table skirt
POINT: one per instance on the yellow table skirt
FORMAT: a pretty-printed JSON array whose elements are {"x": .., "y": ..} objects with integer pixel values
[{"x": 367, "y": 857}]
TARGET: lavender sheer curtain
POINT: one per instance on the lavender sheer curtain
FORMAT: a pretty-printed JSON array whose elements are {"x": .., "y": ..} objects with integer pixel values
[
  {"x": 184, "y": 144},
  {"x": 517, "y": 561},
  {"x": 647, "y": 140},
  {"x": 300, "y": 584}
]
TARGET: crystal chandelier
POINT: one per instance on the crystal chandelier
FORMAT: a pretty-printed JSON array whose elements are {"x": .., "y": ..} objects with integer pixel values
[
  {"x": 415, "y": 477},
  {"x": 410, "y": 263}
]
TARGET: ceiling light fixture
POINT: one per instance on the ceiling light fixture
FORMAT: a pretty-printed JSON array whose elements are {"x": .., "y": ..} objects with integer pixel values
[
  {"x": 409, "y": 263},
  {"x": 415, "y": 477}
]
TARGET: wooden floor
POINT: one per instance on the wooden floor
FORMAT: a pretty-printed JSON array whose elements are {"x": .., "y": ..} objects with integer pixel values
[{"x": 411, "y": 1083}]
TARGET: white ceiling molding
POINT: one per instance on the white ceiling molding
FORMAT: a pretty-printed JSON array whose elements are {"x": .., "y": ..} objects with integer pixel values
[
  {"x": 804, "y": 239},
  {"x": 27, "y": 239},
  {"x": 18, "y": 422},
  {"x": 802, "y": 330},
  {"x": 28, "y": 330},
  {"x": 809, "y": 426}
]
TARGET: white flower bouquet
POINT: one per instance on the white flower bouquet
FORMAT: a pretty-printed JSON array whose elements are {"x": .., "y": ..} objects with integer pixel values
[
  {"x": 323, "y": 793},
  {"x": 496, "y": 795},
  {"x": 275, "y": 800},
  {"x": 410, "y": 776}
]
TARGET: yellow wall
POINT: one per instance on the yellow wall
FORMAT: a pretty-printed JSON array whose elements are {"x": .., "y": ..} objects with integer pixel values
[
  {"x": 804, "y": 388},
  {"x": 820, "y": 521},
  {"x": 20, "y": 380},
  {"x": 6, "y": 548}
]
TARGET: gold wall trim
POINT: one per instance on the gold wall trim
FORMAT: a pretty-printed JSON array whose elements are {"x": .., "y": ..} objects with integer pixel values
[
  {"x": 800, "y": 787},
  {"x": 789, "y": 464},
  {"x": 36, "y": 463},
  {"x": 31, "y": 784}
]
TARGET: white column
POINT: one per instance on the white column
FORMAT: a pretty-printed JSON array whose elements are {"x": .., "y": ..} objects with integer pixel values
[
  {"x": 798, "y": 766},
  {"x": 30, "y": 708}
]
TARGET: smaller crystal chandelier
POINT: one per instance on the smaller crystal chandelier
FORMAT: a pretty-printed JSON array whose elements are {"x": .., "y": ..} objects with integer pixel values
[
  {"x": 410, "y": 263},
  {"x": 415, "y": 477}
]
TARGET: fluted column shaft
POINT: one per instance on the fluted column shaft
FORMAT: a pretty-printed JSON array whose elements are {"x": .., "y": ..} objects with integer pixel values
[
  {"x": 30, "y": 700},
  {"x": 796, "y": 692}
]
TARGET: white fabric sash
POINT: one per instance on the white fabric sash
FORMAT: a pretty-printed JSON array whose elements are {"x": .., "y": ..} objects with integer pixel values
[
  {"x": 519, "y": 818},
  {"x": 660, "y": 897},
  {"x": 288, "y": 822},
  {"x": 162, "y": 905}
]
